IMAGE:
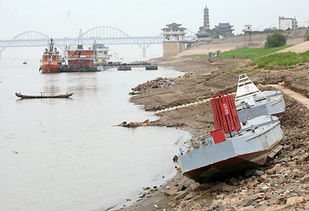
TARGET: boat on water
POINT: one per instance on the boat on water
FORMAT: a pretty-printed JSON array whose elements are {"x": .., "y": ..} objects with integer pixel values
[
  {"x": 246, "y": 133},
  {"x": 43, "y": 95},
  {"x": 51, "y": 61},
  {"x": 24, "y": 62},
  {"x": 151, "y": 67},
  {"x": 124, "y": 68}
]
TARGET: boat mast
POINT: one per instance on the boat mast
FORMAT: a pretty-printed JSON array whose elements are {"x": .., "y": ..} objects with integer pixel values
[{"x": 51, "y": 46}]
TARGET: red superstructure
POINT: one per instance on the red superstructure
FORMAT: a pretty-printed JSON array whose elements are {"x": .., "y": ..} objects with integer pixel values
[
  {"x": 81, "y": 58},
  {"x": 225, "y": 117},
  {"x": 51, "y": 61}
]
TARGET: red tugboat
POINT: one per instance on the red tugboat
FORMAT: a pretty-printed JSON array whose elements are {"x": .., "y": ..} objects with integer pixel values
[{"x": 51, "y": 61}]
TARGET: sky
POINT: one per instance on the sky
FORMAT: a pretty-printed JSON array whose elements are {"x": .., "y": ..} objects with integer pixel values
[{"x": 64, "y": 18}]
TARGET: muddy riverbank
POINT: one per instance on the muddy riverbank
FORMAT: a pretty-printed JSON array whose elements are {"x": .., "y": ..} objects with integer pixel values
[{"x": 281, "y": 184}]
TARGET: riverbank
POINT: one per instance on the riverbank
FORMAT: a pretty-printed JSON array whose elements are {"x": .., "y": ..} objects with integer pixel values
[{"x": 282, "y": 183}]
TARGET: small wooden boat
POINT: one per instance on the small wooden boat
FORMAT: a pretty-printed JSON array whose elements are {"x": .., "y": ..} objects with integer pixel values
[{"x": 43, "y": 95}]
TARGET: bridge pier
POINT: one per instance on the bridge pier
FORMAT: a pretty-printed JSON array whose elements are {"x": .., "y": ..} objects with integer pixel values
[{"x": 144, "y": 49}]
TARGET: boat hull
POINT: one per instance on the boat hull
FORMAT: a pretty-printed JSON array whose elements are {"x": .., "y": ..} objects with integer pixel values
[
  {"x": 43, "y": 96},
  {"x": 235, "y": 155},
  {"x": 50, "y": 68}
]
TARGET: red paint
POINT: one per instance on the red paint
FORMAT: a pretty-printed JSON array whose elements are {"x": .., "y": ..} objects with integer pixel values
[
  {"x": 218, "y": 136},
  {"x": 81, "y": 58},
  {"x": 225, "y": 114}
]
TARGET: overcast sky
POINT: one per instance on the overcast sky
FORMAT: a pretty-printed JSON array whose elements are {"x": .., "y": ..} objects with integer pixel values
[{"x": 64, "y": 18}]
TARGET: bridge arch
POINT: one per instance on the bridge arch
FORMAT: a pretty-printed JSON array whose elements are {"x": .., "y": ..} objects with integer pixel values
[
  {"x": 104, "y": 32},
  {"x": 31, "y": 34}
]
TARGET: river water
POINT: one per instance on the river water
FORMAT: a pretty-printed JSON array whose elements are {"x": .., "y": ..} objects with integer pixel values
[{"x": 66, "y": 154}]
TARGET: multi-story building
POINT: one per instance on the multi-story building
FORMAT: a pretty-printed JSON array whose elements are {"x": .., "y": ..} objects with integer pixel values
[{"x": 287, "y": 23}]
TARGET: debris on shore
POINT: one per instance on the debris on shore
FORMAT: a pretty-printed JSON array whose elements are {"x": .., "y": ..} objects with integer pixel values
[{"x": 135, "y": 124}]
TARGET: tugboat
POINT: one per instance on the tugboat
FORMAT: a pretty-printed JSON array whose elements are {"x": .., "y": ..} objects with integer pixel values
[
  {"x": 246, "y": 133},
  {"x": 51, "y": 61}
]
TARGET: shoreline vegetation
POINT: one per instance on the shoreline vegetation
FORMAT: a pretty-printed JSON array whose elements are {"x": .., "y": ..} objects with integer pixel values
[{"x": 282, "y": 184}]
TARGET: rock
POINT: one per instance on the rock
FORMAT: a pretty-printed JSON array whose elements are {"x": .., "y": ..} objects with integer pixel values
[
  {"x": 181, "y": 195},
  {"x": 249, "y": 173},
  {"x": 233, "y": 181},
  {"x": 175, "y": 159},
  {"x": 172, "y": 191},
  {"x": 189, "y": 196},
  {"x": 294, "y": 200},
  {"x": 220, "y": 187},
  {"x": 134, "y": 124},
  {"x": 248, "y": 202},
  {"x": 142, "y": 195},
  {"x": 304, "y": 157},
  {"x": 249, "y": 208},
  {"x": 259, "y": 172},
  {"x": 275, "y": 208},
  {"x": 194, "y": 186},
  {"x": 276, "y": 169}
]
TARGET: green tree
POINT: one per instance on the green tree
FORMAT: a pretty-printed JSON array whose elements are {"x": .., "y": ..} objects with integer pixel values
[
  {"x": 275, "y": 40},
  {"x": 307, "y": 37}
]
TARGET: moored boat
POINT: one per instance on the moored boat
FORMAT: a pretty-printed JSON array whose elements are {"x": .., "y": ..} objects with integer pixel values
[
  {"x": 43, "y": 95},
  {"x": 51, "y": 61},
  {"x": 238, "y": 141},
  {"x": 124, "y": 68},
  {"x": 151, "y": 67}
]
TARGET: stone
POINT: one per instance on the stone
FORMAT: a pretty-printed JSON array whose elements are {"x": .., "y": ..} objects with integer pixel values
[
  {"x": 181, "y": 195},
  {"x": 249, "y": 208},
  {"x": 294, "y": 200},
  {"x": 189, "y": 196},
  {"x": 305, "y": 179},
  {"x": 259, "y": 172},
  {"x": 304, "y": 157},
  {"x": 276, "y": 169},
  {"x": 172, "y": 191},
  {"x": 275, "y": 208},
  {"x": 233, "y": 181}
]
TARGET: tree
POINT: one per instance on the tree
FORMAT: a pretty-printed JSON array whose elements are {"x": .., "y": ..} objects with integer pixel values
[
  {"x": 307, "y": 37},
  {"x": 275, "y": 40}
]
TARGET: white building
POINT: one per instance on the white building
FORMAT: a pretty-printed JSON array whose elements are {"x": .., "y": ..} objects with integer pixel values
[{"x": 287, "y": 23}]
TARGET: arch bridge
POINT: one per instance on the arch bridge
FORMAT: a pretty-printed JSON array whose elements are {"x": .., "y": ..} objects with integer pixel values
[{"x": 107, "y": 35}]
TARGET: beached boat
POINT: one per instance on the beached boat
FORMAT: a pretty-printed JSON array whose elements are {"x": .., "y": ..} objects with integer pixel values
[
  {"x": 51, "y": 61},
  {"x": 124, "y": 68},
  {"x": 238, "y": 141},
  {"x": 43, "y": 95},
  {"x": 251, "y": 102}
]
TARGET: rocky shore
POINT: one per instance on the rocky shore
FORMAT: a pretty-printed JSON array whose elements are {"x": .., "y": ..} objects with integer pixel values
[{"x": 282, "y": 184}]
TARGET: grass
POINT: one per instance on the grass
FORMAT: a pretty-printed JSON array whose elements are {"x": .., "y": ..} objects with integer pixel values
[
  {"x": 250, "y": 53},
  {"x": 281, "y": 60}
]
